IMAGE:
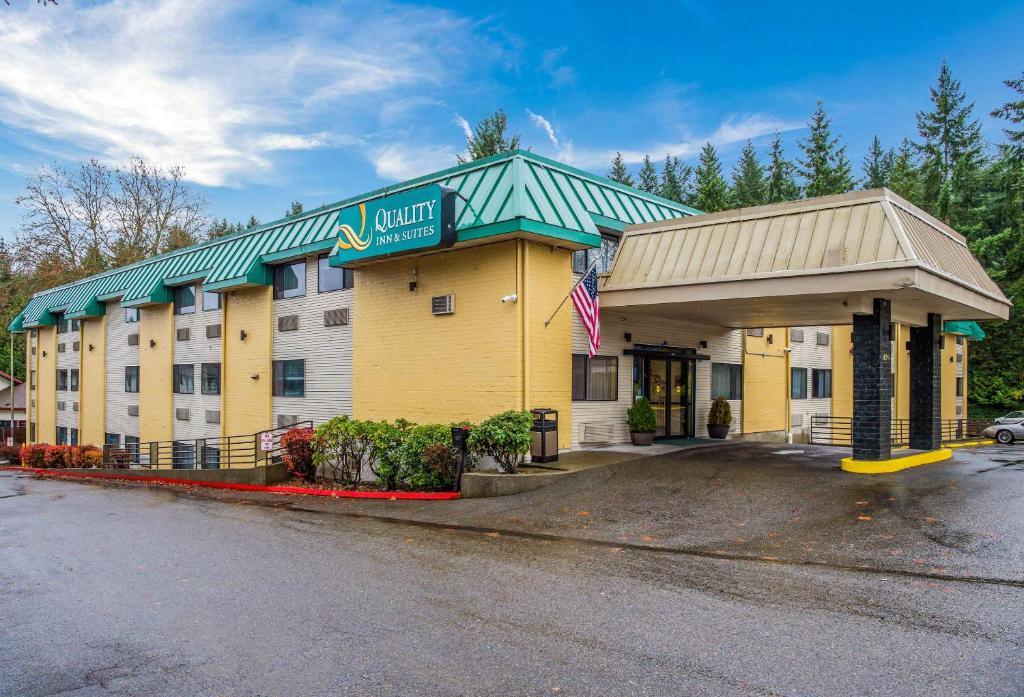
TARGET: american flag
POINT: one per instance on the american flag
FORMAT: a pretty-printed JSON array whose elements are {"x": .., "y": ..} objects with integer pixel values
[{"x": 584, "y": 299}]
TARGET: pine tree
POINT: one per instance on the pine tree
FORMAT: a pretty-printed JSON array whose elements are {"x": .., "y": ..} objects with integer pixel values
[
  {"x": 877, "y": 165},
  {"x": 619, "y": 172},
  {"x": 253, "y": 222},
  {"x": 295, "y": 209},
  {"x": 1013, "y": 112},
  {"x": 780, "y": 185},
  {"x": 711, "y": 191},
  {"x": 489, "y": 138},
  {"x": 647, "y": 177},
  {"x": 825, "y": 168},
  {"x": 904, "y": 175},
  {"x": 749, "y": 187}
]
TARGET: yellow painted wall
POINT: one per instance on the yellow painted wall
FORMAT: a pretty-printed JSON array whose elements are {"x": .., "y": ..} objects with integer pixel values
[
  {"x": 948, "y": 404},
  {"x": 30, "y": 365},
  {"x": 765, "y": 381},
  {"x": 467, "y": 365},
  {"x": 93, "y": 384},
  {"x": 966, "y": 360},
  {"x": 156, "y": 398},
  {"x": 548, "y": 274},
  {"x": 245, "y": 401},
  {"x": 46, "y": 395},
  {"x": 842, "y": 371}
]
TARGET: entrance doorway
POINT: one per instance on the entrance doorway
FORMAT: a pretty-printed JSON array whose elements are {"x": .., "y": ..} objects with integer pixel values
[{"x": 669, "y": 385}]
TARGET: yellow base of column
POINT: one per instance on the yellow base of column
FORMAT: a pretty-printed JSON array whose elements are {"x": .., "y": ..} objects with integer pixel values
[
  {"x": 968, "y": 444},
  {"x": 894, "y": 464}
]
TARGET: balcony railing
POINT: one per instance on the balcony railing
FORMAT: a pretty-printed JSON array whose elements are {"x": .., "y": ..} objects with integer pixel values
[
  {"x": 228, "y": 452},
  {"x": 838, "y": 430}
]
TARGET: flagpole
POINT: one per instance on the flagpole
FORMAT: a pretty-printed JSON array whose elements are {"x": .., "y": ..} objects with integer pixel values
[{"x": 589, "y": 269}]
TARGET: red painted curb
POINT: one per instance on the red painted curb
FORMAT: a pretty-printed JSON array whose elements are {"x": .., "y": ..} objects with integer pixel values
[{"x": 390, "y": 495}]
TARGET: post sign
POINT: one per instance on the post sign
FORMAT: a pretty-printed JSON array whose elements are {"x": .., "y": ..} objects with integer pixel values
[
  {"x": 402, "y": 223},
  {"x": 266, "y": 442}
]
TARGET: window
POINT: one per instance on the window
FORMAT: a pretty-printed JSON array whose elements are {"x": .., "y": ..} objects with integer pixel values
[
  {"x": 131, "y": 315},
  {"x": 73, "y": 375},
  {"x": 62, "y": 435},
  {"x": 959, "y": 339},
  {"x": 62, "y": 380},
  {"x": 183, "y": 455},
  {"x": 211, "y": 301},
  {"x": 211, "y": 458},
  {"x": 76, "y": 325},
  {"x": 32, "y": 379},
  {"x": 959, "y": 387},
  {"x": 798, "y": 383},
  {"x": 821, "y": 380},
  {"x": 184, "y": 379},
  {"x": 74, "y": 437},
  {"x": 726, "y": 380},
  {"x": 210, "y": 378},
  {"x": 595, "y": 379},
  {"x": 131, "y": 444},
  {"x": 112, "y": 439},
  {"x": 184, "y": 300},
  {"x": 62, "y": 325},
  {"x": 290, "y": 280},
  {"x": 603, "y": 255},
  {"x": 333, "y": 277},
  {"x": 290, "y": 378},
  {"x": 131, "y": 378}
]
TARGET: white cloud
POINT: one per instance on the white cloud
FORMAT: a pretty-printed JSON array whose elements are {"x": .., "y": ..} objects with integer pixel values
[
  {"x": 732, "y": 130},
  {"x": 463, "y": 124},
  {"x": 399, "y": 161},
  {"x": 218, "y": 87},
  {"x": 563, "y": 146},
  {"x": 560, "y": 74},
  {"x": 545, "y": 125}
]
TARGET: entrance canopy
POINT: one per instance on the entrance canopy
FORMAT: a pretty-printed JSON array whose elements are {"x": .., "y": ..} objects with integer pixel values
[{"x": 816, "y": 261}]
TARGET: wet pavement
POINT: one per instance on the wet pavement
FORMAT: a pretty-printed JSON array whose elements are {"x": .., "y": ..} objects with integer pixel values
[{"x": 731, "y": 571}]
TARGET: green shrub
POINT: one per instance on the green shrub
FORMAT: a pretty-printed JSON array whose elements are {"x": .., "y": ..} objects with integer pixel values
[
  {"x": 340, "y": 446},
  {"x": 386, "y": 441},
  {"x": 720, "y": 413},
  {"x": 640, "y": 417},
  {"x": 298, "y": 453},
  {"x": 505, "y": 437},
  {"x": 426, "y": 457}
]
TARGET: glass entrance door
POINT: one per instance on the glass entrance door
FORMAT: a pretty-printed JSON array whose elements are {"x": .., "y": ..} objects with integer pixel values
[{"x": 669, "y": 387}]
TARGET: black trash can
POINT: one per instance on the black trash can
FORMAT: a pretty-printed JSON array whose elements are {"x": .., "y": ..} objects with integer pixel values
[{"x": 545, "y": 435}]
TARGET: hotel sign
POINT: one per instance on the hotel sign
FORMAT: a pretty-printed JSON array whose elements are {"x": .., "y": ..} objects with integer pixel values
[{"x": 402, "y": 223}]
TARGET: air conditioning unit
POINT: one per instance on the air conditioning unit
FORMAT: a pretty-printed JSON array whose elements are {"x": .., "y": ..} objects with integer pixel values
[
  {"x": 336, "y": 318},
  {"x": 76, "y": 346},
  {"x": 61, "y": 348},
  {"x": 212, "y": 331},
  {"x": 213, "y": 416},
  {"x": 182, "y": 414},
  {"x": 183, "y": 334},
  {"x": 442, "y": 305},
  {"x": 288, "y": 323},
  {"x": 61, "y": 406},
  {"x": 286, "y": 420},
  {"x": 74, "y": 406},
  {"x": 823, "y": 338},
  {"x": 133, "y": 339},
  {"x": 796, "y": 336},
  {"x": 133, "y": 410}
]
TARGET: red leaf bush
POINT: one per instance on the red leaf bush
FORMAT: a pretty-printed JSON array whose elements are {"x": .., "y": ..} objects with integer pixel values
[{"x": 298, "y": 453}]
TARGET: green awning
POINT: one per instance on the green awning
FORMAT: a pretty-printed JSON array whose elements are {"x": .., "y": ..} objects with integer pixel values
[{"x": 969, "y": 329}]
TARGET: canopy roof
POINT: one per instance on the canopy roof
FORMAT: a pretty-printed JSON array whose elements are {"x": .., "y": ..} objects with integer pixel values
[
  {"x": 815, "y": 261},
  {"x": 509, "y": 195}
]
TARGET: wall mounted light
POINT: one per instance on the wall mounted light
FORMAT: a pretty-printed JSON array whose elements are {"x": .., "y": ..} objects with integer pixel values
[
  {"x": 152, "y": 343},
  {"x": 44, "y": 354},
  {"x": 770, "y": 339},
  {"x": 242, "y": 335},
  {"x": 91, "y": 347},
  {"x": 255, "y": 376},
  {"x": 628, "y": 336},
  {"x": 415, "y": 280},
  {"x": 703, "y": 344}
]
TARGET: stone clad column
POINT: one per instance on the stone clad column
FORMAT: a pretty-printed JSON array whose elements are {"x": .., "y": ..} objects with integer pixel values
[
  {"x": 872, "y": 384},
  {"x": 926, "y": 384}
]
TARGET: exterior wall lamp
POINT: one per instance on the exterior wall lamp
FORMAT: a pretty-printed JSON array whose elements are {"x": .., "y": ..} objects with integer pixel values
[
  {"x": 152, "y": 343},
  {"x": 242, "y": 335},
  {"x": 91, "y": 347}
]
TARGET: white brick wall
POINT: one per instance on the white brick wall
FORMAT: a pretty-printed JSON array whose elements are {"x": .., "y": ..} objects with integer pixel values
[
  {"x": 119, "y": 354},
  {"x": 68, "y": 359},
  {"x": 809, "y": 354},
  {"x": 196, "y": 351}
]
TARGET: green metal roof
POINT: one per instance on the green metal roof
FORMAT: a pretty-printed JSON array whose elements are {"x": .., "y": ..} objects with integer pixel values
[
  {"x": 516, "y": 191},
  {"x": 969, "y": 329}
]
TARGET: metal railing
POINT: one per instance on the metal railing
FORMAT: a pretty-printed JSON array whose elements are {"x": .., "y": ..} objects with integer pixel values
[
  {"x": 838, "y": 430},
  {"x": 228, "y": 452}
]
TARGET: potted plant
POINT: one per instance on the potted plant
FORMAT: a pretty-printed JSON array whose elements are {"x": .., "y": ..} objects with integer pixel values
[
  {"x": 641, "y": 421},
  {"x": 719, "y": 418}
]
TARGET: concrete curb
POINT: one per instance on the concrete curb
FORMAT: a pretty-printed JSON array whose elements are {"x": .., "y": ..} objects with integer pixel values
[{"x": 272, "y": 489}]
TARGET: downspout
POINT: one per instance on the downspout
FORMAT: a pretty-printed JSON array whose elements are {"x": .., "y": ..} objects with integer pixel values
[
  {"x": 521, "y": 318},
  {"x": 11, "y": 373}
]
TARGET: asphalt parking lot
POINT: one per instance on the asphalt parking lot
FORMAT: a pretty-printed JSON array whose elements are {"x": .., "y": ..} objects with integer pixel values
[{"x": 748, "y": 569}]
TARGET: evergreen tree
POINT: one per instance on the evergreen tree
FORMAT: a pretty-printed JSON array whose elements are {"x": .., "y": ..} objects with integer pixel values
[
  {"x": 619, "y": 172},
  {"x": 711, "y": 191},
  {"x": 825, "y": 168},
  {"x": 749, "y": 187},
  {"x": 904, "y": 175},
  {"x": 647, "y": 177},
  {"x": 780, "y": 185},
  {"x": 253, "y": 222},
  {"x": 1013, "y": 112},
  {"x": 489, "y": 138},
  {"x": 295, "y": 209},
  {"x": 877, "y": 165}
]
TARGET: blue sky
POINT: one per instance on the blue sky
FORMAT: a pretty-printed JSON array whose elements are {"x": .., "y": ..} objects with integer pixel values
[{"x": 268, "y": 101}]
